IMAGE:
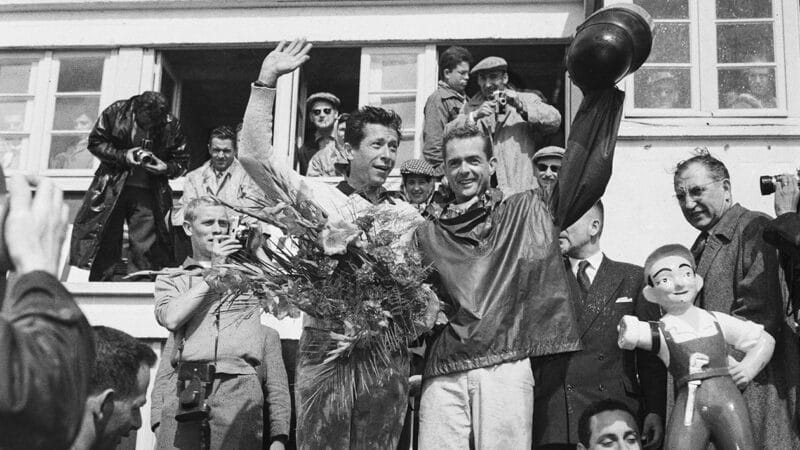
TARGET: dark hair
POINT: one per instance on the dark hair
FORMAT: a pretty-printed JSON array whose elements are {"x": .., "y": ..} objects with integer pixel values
[
  {"x": 354, "y": 132},
  {"x": 663, "y": 252},
  {"x": 344, "y": 118},
  {"x": 118, "y": 358},
  {"x": 584, "y": 422},
  {"x": 452, "y": 57},
  {"x": 223, "y": 132},
  {"x": 153, "y": 103},
  {"x": 702, "y": 156},
  {"x": 468, "y": 131}
]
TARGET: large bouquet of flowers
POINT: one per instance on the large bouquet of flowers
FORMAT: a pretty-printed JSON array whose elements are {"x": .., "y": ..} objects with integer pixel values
[{"x": 360, "y": 276}]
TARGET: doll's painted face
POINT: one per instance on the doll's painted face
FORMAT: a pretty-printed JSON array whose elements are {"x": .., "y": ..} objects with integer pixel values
[{"x": 674, "y": 283}]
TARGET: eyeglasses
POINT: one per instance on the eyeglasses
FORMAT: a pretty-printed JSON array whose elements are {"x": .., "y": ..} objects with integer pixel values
[
  {"x": 694, "y": 192},
  {"x": 317, "y": 112},
  {"x": 543, "y": 167}
]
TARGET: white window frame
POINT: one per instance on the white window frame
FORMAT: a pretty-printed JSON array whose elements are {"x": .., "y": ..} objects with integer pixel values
[
  {"x": 34, "y": 112},
  {"x": 426, "y": 84},
  {"x": 52, "y": 94},
  {"x": 703, "y": 72}
]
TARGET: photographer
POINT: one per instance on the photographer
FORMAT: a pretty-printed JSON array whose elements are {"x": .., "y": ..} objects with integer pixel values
[
  {"x": 140, "y": 146},
  {"x": 784, "y": 233},
  {"x": 219, "y": 398},
  {"x": 513, "y": 120},
  {"x": 46, "y": 348}
]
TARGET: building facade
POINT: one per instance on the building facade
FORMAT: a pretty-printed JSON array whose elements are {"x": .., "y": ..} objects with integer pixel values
[{"x": 720, "y": 76}]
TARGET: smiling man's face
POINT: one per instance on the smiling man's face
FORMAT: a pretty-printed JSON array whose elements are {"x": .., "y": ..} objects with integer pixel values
[
  {"x": 375, "y": 156},
  {"x": 467, "y": 168}
]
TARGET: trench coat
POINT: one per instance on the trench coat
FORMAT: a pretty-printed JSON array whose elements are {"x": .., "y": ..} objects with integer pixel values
[
  {"x": 109, "y": 140},
  {"x": 741, "y": 274}
]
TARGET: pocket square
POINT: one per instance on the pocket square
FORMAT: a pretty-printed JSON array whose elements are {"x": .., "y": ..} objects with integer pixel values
[{"x": 624, "y": 300}]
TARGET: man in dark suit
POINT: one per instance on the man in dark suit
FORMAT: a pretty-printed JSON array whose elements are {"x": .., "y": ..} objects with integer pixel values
[{"x": 566, "y": 384}]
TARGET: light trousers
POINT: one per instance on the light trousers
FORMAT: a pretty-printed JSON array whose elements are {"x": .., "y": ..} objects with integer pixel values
[{"x": 491, "y": 407}]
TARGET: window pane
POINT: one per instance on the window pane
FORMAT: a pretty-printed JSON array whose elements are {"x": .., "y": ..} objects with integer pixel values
[
  {"x": 76, "y": 113},
  {"x": 10, "y": 150},
  {"x": 12, "y": 115},
  {"x": 80, "y": 74},
  {"x": 749, "y": 9},
  {"x": 746, "y": 88},
  {"x": 750, "y": 42},
  {"x": 666, "y": 9},
  {"x": 15, "y": 78},
  {"x": 70, "y": 152},
  {"x": 662, "y": 88},
  {"x": 390, "y": 72},
  {"x": 404, "y": 106},
  {"x": 670, "y": 43}
]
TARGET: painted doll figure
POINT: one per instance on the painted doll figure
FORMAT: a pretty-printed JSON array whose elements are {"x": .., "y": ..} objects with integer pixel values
[{"x": 693, "y": 344}]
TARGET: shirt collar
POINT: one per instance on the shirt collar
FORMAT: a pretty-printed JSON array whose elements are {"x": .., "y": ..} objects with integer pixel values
[
  {"x": 384, "y": 195},
  {"x": 191, "y": 263},
  {"x": 594, "y": 261},
  {"x": 230, "y": 168}
]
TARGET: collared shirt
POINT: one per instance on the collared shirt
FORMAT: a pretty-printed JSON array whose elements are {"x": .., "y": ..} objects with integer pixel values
[
  {"x": 233, "y": 186},
  {"x": 219, "y": 332},
  {"x": 591, "y": 270}
]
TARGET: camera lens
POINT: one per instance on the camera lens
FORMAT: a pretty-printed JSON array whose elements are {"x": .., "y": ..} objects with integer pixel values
[{"x": 767, "y": 184}]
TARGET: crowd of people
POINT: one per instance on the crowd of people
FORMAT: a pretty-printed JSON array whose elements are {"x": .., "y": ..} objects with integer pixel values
[{"x": 541, "y": 341}]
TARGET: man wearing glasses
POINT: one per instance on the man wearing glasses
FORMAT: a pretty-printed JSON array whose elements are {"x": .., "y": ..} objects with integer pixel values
[
  {"x": 741, "y": 278},
  {"x": 322, "y": 110},
  {"x": 546, "y": 164}
]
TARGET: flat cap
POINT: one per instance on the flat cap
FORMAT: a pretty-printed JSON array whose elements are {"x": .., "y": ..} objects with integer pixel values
[
  {"x": 326, "y": 96},
  {"x": 418, "y": 167},
  {"x": 490, "y": 63},
  {"x": 550, "y": 151}
]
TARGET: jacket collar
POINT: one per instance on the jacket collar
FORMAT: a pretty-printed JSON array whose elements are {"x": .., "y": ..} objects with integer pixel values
[
  {"x": 448, "y": 92},
  {"x": 726, "y": 227},
  {"x": 384, "y": 195}
]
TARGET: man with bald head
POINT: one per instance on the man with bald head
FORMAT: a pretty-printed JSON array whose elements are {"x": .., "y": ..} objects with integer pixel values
[{"x": 566, "y": 384}]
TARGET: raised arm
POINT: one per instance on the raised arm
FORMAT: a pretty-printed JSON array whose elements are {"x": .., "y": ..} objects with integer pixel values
[
  {"x": 273, "y": 175},
  {"x": 589, "y": 156}
]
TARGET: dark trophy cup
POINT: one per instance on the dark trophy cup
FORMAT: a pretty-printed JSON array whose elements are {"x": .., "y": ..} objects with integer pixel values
[{"x": 610, "y": 44}]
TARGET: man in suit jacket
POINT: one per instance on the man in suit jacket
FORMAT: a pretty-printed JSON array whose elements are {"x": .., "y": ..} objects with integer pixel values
[
  {"x": 566, "y": 384},
  {"x": 741, "y": 278}
]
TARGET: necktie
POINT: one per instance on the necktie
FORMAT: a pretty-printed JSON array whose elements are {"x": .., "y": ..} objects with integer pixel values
[
  {"x": 583, "y": 279},
  {"x": 699, "y": 246}
]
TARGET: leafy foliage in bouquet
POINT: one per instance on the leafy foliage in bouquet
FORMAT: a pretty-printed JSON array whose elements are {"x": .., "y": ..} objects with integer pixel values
[{"x": 360, "y": 276}]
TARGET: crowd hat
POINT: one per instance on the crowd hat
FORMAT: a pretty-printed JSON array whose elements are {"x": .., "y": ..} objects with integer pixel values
[
  {"x": 551, "y": 151},
  {"x": 418, "y": 167},
  {"x": 326, "y": 96},
  {"x": 490, "y": 63}
]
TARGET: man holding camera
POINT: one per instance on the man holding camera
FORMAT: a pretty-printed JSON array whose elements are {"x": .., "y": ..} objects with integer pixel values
[
  {"x": 513, "y": 121},
  {"x": 140, "y": 146},
  {"x": 784, "y": 232},
  {"x": 219, "y": 398}
]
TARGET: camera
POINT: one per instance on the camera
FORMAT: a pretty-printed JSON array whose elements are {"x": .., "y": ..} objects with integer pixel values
[
  {"x": 192, "y": 404},
  {"x": 248, "y": 236},
  {"x": 767, "y": 183},
  {"x": 502, "y": 101},
  {"x": 144, "y": 155}
]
